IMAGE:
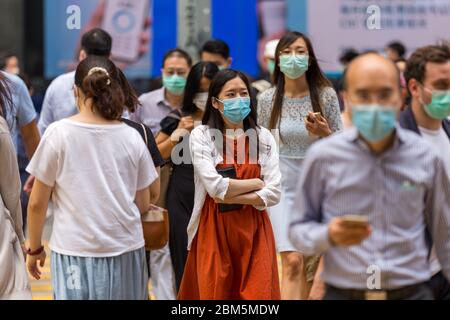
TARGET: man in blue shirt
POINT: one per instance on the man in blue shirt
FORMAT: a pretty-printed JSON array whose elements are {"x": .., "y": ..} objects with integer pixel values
[
  {"x": 367, "y": 195},
  {"x": 22, "y": 116},
  {"x": 22, "y": 119},
  {"x": 59, "y": 101}
]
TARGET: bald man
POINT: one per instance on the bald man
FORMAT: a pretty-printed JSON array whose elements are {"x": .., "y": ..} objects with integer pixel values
[{"x": 367, "y": 195}]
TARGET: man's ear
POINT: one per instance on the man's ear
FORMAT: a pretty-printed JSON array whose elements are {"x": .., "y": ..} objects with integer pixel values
[
  {"x": 230, "y": 62},
  {"x": 82, "y": 55},
  {"x": 413, "y": 88}
]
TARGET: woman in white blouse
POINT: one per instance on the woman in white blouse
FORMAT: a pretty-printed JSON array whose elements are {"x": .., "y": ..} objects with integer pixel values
[{"x": 232, "y": 247}]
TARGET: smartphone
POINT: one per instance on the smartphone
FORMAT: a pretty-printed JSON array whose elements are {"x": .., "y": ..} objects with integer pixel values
[
  {"x": 124, "y": 20},
  {"x": 312, "y": 117},
  {"x": 355, "y": 220}
]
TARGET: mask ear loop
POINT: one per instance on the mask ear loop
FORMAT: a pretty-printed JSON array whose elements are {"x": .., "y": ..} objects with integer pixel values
[{"x": 421, "y": 98}]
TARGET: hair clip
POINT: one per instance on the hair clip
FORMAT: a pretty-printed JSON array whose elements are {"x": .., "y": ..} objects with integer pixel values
[{"x": 102, "y": 70}]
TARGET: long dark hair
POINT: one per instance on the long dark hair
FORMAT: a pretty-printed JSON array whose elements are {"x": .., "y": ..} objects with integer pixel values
[
  {"x": 212, "y": 116},
  {"x": 200, "y": 70},
  {"x": 5, "y": 96},
  {"x": 314, "y": 76},
  {"x": 130, "y": 95}
]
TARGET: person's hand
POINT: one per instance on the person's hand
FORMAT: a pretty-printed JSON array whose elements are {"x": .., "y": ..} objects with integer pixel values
[
  {"x": 33, "y": 268},
  {"x": 260, "y": 183},
  {"x": 185, "y": 126},
  {"x": 318, "y": 125},
  {"x": 342, "y": 234},
  {"x": 186, "y": 123},
  {"x": 28, "y": 186}
]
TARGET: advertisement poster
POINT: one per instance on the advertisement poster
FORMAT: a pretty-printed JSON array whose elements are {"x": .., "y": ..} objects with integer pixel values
[
  {"x": 367, "y": 25},
  {"x": 128, "y": 21}
]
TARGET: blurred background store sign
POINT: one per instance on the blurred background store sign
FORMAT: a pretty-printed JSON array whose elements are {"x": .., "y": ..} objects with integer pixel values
[
  {"x": 128, "y": 21},
  {"x": 343, "y": 24},
  {"x": 194, "y": 25},
  {"x": 48, "y": 48}
]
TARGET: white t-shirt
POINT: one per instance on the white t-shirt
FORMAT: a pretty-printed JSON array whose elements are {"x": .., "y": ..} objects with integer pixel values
[
  {"x": 95, "y": 172},
  {"x": 441, "y": 143}
]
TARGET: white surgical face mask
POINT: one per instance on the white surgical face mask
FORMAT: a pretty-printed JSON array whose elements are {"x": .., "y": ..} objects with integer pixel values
[{"x": 200, "y": 100}]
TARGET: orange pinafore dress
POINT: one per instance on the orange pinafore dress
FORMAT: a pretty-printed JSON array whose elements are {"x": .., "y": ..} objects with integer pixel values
[{"x": 233, "y": 255}]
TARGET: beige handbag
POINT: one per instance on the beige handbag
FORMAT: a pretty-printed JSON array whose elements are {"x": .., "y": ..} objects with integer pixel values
[{"x": 155, "y": 222}]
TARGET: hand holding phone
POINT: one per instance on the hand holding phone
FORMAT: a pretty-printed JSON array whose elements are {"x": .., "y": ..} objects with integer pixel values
[
  {"x": 313, "y": 116},
  {"x": 349, "y": 230},
  {"x": 352, "y": 221}
]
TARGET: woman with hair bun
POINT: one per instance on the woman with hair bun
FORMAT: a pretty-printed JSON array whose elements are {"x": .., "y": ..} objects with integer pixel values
[{"x": 97, "y": 172}]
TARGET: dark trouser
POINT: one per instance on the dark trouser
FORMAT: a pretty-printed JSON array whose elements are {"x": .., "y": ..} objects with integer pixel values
[
  {"x": 440, "y": 287},
  {"x": 417, "y": 292},
  {"x": 180, "y": 203}
]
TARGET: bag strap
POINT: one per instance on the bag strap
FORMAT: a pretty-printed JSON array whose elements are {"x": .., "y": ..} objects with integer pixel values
[{"x": 145, "y": 134}]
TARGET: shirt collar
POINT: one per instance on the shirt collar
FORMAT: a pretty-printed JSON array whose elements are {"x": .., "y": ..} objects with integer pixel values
[
  {"x": 161, "y": 99},
  {"x": 353, "y": 136},
  {"x": 160, "y": 96}
]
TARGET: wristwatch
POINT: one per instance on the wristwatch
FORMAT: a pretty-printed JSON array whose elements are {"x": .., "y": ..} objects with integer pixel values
[{"x": 35, "y": 252}]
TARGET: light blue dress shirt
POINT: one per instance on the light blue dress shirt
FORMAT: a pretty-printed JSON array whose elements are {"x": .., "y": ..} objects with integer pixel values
[
  {"x": 59, "y": 102},
  {"x": 21, "y": 112},
  {"x": 154, "y": 108}
]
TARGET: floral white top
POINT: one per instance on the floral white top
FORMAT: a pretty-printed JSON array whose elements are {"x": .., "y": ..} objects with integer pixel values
[{"x": 295, "y": 139}]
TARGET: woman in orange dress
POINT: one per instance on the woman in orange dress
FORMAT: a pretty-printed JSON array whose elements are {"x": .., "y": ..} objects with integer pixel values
[{"x": 232, "y": 248}]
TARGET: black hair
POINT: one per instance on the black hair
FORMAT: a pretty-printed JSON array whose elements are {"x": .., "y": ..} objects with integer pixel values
[
  {"x": 130, "y": 95},
  {"x": 97, "y": 42},
  {"x": 398, "y": 47},
  {"x": 200, "y": 70},
  {"x": 213, "y": 117},
  {"x": 5, "y": 96},
  {"x": 417, "y": 63},
  {"x": 4, "y": 57},
  {"x": 102, "y": 87},
  {"x": 348, "y": 55},
  {"x": 219, "y": 47},
  {"x": 177, "y": 52}
]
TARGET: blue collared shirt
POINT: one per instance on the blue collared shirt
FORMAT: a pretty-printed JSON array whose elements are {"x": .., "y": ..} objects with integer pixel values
[
  {"x": 21, "y": 112},
  {"x": 403, "y": 191},
  {"x": 59, "y": 102}
]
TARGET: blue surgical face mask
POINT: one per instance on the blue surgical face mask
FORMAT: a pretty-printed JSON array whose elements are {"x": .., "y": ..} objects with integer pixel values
[
  {"x": 374, "y": 122},
  {"x": 294, "y": 65},
  {"x": 236, "y": 109}
]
